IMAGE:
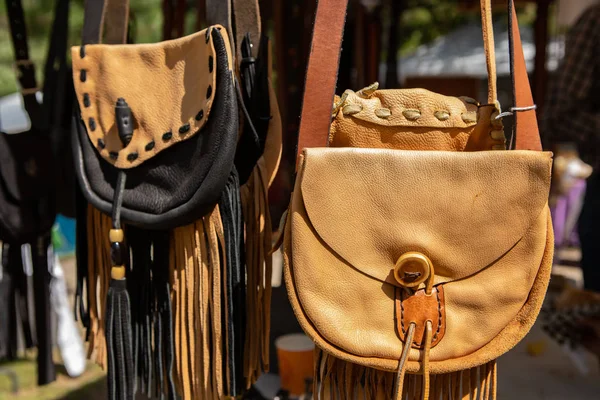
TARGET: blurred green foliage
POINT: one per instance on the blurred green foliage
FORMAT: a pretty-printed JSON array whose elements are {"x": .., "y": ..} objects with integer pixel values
[
  {"x": 39, "y": 14},
  {"x": 421, "y": 22}
]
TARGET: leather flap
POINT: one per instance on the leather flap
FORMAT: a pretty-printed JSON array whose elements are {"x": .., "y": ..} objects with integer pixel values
[
  {"x": 370, "y": 206},
  {"x": 169, "y": 87},
  {"x": 26, "y": 160},
  {"x": 413, "y": 108}
]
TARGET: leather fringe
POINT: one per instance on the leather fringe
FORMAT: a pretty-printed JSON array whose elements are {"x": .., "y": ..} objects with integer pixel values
[
  {"x": 259, "y": 267},
  {"x": 195, "y": 277},
  {"x": 338, "y": 379},
  {"x": 98, "y": 281}
]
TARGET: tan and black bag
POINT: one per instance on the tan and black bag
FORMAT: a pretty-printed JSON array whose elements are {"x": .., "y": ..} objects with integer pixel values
[
  {"x": 177, "y": 279},
  {"x": 418, "y": 247}
]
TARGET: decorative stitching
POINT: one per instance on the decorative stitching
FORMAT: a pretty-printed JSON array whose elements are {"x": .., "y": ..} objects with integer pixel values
[
  {"x": 208, "y": 91},
  {"x": 83, "y": 75},
  {"x": 167, "y": 135},
  {"x": 411, "y": 115},
  {"x": 149, "y": 146},
  {"x": 86, "y": 100},
  {"x": 200, "y": 115},
  {"x": 82, "y": 51},
  {"x": 469, "y": 117},
  {"x": 210, "y": 64},
  {"x": 351, "y": 109},
  {"x": 442, "y": 115},
  {"x": 437, "y": 332},
  {"x": 114, "y": 155},
  {"x": 132, "y": 156},
  {"x": 92, "y": 124},
  {"x": 184, "y": 128},
  {"x": 101, "y": 144},
  {"x": 383, "y": 113}
]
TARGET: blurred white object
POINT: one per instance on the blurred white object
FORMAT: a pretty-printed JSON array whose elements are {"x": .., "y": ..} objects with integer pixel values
[
  {"x": 68, "y": 337},
  {"x": 13, "y": 118},
  {"x": 570, "y": 10}
]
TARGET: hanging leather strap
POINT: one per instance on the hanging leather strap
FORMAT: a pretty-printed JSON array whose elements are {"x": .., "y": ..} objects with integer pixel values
[
  {"x": 117, "y": 12},
  {"x": 525, "y": 122},
  {"x": 219, "y": 12},
  {"x": 489, "y": 48},
  {"x": 93, "y": 21},
  {"x": 116, "y": 15},
  {"x": 247, "y": 21},
  {"x": 321, "y": 75},
  {"x": 24, "y": 66}
]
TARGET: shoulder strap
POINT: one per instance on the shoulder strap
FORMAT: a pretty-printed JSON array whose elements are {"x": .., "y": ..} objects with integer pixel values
[
  {"x": 321, "y": 73},
  {"x": 115, "y": 12},
  {"x": 247, "y": 21},
  {"x": 24, "y": 66},
  {"x": 219, "y": 12},
  {"x": 321, "y": 76},
  {"x": 525, "y": 128},
  {"x": 489, "y": 48},
  {"x": 55, "y": 70}
]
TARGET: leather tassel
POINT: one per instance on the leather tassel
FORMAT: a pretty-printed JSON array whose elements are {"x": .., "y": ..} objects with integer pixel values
[{"x": 119, "y": 338}]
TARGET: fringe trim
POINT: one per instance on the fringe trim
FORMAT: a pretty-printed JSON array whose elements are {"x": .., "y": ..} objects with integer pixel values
[
  {"x": 338, "y": 379},
  {"x": 197, "y": 253},
  {"x": 99, "y": 264},
  {"x": 195, "y": 276},
  {"x": 259, "y": 268}
]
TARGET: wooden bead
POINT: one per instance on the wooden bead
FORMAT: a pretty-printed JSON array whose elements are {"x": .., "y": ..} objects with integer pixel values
[
  {"x": 117, "y": 272},
  {"x": 116, "y": 235}
]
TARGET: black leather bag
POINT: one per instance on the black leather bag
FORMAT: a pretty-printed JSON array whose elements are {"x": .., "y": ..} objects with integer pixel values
[
  {"x": 26, "y": 186},
  {"x": 28, "y": 160}
]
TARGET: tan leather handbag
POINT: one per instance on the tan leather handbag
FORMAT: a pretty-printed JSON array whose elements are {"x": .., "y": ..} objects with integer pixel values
[{"x": 417, "y": 248}]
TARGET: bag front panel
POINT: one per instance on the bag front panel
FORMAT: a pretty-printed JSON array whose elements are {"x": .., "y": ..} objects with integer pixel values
[
  {"x": 345, "y": 300},
  {"x": 180, "y": 183}
]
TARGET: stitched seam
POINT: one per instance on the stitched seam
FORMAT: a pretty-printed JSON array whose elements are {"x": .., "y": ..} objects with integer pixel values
[{"x": 437, "y": 295}]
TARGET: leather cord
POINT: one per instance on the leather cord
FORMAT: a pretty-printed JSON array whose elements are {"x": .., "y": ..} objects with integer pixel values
[{"x": 321, "y": 75}]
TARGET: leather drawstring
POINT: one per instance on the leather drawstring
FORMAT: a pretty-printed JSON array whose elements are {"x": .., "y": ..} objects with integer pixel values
[
  {"x": 402, "y": 363},
  {"x": 404, "y": 357},
  {"x": 427, "y": 349}
]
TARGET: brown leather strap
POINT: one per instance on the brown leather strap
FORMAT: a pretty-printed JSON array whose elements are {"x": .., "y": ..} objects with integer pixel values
[
  {"x": 247, "y": 21},
  {"x": 526, "y": 127},
  {"x": 116, "y": 14},
  {"x": 220, "y": 12},
  {"x": 321, "y": 74}
]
